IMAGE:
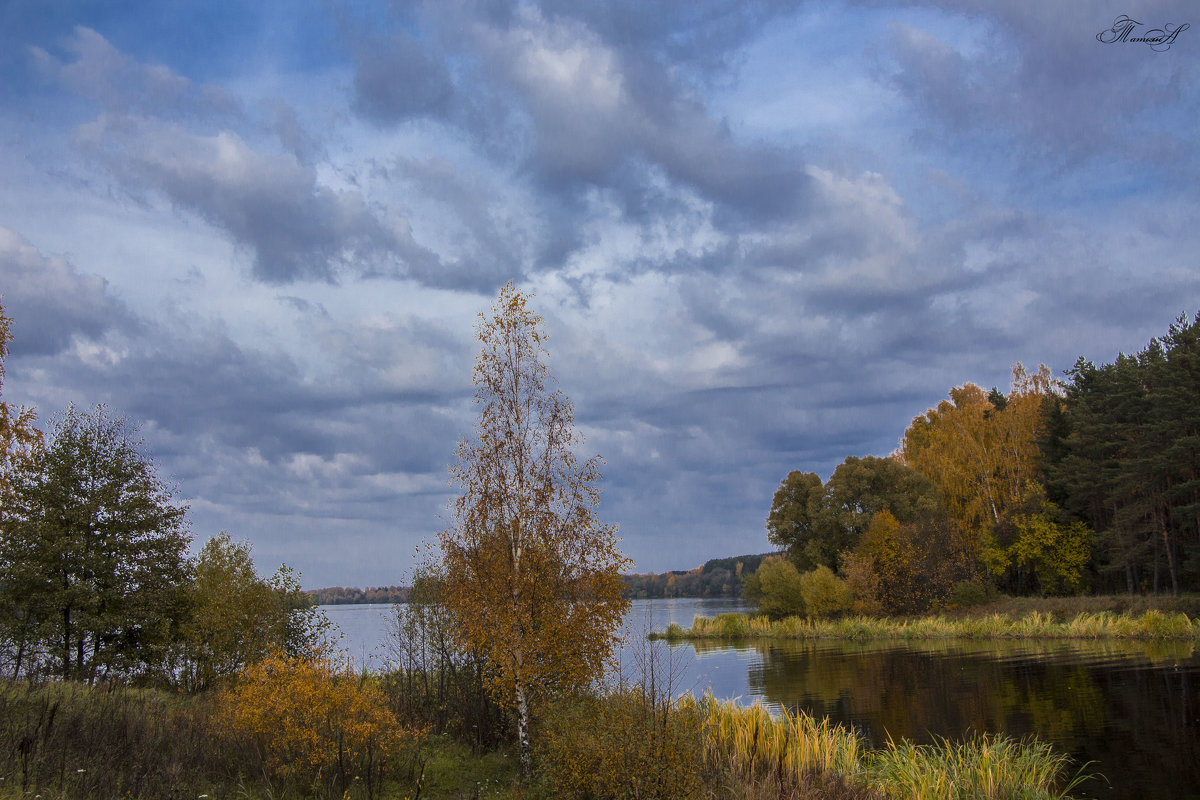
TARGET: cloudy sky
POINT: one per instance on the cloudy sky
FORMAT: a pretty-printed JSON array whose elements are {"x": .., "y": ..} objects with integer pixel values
[{"x": 763, "y": 236}]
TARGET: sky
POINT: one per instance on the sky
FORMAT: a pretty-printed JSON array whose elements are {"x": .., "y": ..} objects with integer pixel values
[{"x": 763, "y": 237}]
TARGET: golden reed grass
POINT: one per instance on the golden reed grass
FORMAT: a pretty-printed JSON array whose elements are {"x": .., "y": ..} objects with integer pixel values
[
  {"x": 788, "y": 748},
  {"x": 1152, "y": 625}
]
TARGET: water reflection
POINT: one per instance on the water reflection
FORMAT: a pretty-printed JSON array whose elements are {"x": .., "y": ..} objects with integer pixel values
[{"x": 1132, "y": 708}]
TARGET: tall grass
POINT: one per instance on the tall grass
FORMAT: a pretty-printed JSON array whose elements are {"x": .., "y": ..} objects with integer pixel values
[
  {"x": 71, "y": 740},
  {"x": 791, "y": 749},
  {"x": 787, "y": 747},
  {"x": 992, "y": 767},
  {"x": 1152, "y": 625}
]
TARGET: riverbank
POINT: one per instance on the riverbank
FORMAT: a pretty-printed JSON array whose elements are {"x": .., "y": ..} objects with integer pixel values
[
  {"x": 70, "y": 740},
  {"x": 1152, "y": 625}
]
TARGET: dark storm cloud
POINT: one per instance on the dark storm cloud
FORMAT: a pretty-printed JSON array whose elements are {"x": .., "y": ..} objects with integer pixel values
[
  {"x": 51, "y": 303},
  {"x": 248, "y": 426},
  {"x": 595, "y": 108},
  {"x": 579, "y": 103},
  {"x": 245, "y": 427},
  {"x": 705, "y": 35}
]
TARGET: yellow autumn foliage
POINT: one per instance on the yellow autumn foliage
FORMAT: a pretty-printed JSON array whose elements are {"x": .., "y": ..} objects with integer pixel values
[
  {"x": 311, "y": 719},
  {"x": 981, "y": 451}
]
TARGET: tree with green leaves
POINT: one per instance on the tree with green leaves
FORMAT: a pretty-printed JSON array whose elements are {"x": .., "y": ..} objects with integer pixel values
[
  {"x": 93, "y": 553},
  {"x": 775, "y": 588},
  {"x": 530, "y": 575},
  {"x": 817, "y": 522},
  {"x": 235, "y": 617},
  {"x": 792, "y": 522}
]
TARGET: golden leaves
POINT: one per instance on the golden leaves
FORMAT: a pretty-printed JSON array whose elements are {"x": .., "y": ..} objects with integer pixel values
[{"x": 311, "y": 715}]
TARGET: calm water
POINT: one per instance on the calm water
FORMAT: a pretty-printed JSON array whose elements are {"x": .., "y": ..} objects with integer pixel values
[{"x": 1132, "y": 709}]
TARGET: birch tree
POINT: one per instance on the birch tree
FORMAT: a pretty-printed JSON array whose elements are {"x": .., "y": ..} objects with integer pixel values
[{"x": 532, "y": 577}]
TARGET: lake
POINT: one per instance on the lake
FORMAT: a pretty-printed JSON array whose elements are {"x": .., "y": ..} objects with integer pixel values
[{"x": 1132, "y": 708}]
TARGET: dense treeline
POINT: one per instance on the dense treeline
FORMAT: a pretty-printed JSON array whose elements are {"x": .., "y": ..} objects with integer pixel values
[
  {"x": 718, "y": 577},
  {"x": 343, "y": 595},
  {"x": 1123, "y": 456},
  {"x": 1055, "y": 488}
]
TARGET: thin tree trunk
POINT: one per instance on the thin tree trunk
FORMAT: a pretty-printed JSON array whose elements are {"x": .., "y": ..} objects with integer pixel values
[
  {"x": 523, "y": 730},
  {"x": 1170, "y": 558},
  {"x": 20, "y": 657}
]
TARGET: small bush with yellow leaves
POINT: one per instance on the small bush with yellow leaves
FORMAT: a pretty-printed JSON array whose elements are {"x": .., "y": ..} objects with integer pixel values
[{"x": 313, "y": 721}]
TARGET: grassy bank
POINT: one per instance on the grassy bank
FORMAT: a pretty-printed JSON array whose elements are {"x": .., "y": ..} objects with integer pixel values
[
  {"x": 60, "y": 741},
  {"x": 1153, "y": 625}
]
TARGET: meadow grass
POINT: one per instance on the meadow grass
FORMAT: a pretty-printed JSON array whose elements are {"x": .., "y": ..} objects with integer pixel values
[{"x": 1151, "y": 625}]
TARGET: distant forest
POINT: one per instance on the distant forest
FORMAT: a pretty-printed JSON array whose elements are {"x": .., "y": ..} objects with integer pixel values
[
  {"x": 344, "y": 596},
  {"x": 718, "y": 577}
]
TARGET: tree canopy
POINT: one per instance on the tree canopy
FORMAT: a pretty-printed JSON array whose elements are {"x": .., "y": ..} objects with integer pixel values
[
  {"x": 983, "y": 452},
  {"x": 236, "y": 618},
  {"x": 817, "y": 522}
]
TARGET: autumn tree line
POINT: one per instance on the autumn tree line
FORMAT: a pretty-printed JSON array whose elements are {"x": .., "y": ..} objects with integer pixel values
[{"x": 1085, "y": 485}]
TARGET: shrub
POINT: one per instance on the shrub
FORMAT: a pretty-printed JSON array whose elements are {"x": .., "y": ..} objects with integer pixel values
[
  {"x": 780, "y": 591},
  {"x": 859, "y": 573},
  {"x": 627, "y": 743},
  {"x": 825, "y": 594},
  {"x": 311, "y": 719},
  {"x": 967, "y": 594}
]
